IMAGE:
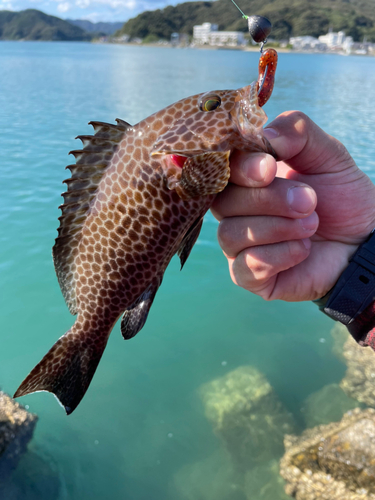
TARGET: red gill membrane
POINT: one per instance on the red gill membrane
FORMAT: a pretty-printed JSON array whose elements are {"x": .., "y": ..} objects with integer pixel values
[
  {"x": 267, "y": 70},
  {"x": 178, "y": 160}
]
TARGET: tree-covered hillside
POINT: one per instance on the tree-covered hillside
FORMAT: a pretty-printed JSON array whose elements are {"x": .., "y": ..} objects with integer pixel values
[
  {"x": 101, "y": 27},
  {"x": 289, "y": 17},
  {"x": 32, "y": 24}
]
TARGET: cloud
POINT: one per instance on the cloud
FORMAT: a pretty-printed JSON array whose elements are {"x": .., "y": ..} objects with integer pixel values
[
  {"x": 94, "y": 10},
  {"x": 6, "y": 5},
  {"x": 114, "y": 4},
  {"x": 83, "y": 4},
  {"x": 64, "y": 7}
]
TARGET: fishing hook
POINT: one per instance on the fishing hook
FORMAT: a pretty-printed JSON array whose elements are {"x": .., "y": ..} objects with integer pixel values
[{"x": 263, "y": 79}]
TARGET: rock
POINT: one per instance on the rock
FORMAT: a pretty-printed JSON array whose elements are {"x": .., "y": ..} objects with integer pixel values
[
  {"x": 339, "y": 335},
  {"x": 16, "y": 429},
  {"x": 247, "y": 415},
  {"x": 332, "y": 462},
  {"x": 327, "y": 405},
  {"x": 37, "y": 477},
  {"x": 359, "y": 380},
  {"x": 211, "y": 479},
  {"x": 263, "y": 482}
]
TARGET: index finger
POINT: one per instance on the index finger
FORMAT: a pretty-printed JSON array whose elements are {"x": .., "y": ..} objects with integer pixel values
[{"x": 305, "y": 147}]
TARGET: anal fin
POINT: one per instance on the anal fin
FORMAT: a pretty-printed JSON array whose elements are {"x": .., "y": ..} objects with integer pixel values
[
  {"x": 189, "y": 241},
  {"x": 135, "y": 317},
  {"x": 202, "y": 175}
]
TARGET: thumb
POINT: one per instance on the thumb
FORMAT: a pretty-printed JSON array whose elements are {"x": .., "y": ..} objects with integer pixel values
[{"x": 305, "y": 147}]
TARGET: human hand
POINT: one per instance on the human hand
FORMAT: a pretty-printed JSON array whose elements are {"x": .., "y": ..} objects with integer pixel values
[{"x": 288, "y": 228}]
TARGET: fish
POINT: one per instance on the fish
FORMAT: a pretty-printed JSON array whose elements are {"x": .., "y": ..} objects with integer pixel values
[{"x": 137, "y": 196}]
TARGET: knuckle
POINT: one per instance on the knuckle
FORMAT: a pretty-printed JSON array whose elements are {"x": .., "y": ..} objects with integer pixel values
[
  {"x": 257, "y": 268},
  {"x": 294, "y": 249},
  {"x": 254, "y": 198},
  {"x": 225, "y": 234},
  {"x": 299, "y": 121}
]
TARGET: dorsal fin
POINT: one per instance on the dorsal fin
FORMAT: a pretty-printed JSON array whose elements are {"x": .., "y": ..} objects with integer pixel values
[{"x": 87, "y": 172}]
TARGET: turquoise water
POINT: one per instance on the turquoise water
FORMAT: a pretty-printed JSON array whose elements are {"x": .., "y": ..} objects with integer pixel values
[{"x": 142, "y": 420}]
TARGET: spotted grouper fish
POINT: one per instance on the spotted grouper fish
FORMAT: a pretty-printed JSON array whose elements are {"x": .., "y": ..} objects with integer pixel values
[{"x": 136, "y": 197}]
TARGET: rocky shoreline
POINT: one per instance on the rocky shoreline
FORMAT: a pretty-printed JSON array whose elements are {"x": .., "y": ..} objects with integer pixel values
[
  {"x": 16, "y": 430},
  {"x": 262, "y": 453}
]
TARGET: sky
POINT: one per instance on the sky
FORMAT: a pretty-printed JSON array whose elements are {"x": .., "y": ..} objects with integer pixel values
[{"x": 93, "y": 10}]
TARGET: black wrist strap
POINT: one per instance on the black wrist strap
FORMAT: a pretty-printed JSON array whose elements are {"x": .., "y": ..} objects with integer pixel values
[{"x": 355, "y": 289}]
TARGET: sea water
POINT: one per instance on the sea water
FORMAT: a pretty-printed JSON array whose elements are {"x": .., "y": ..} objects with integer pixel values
[{"x": 142, "y": 421}]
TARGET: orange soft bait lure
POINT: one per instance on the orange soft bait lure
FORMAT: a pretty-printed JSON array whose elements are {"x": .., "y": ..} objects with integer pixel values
[{"x": 267, "y": 70}]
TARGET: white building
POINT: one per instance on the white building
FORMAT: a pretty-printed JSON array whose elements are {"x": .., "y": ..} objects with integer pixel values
[
  {"x": 231, "y": 38},
  {"x": 332, "y": 39},
  {"x": 307, "y": 43},
  {"x": 201, "y": 33},
  {"x": 208, "y": 34},
  {"x": 348, "y": 44}
]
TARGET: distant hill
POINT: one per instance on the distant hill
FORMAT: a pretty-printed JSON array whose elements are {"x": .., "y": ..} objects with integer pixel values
[
  {"x": 289, "y": 18},
  {"x": 105, "y": 28},
  {"x": 32, "y": 24}
]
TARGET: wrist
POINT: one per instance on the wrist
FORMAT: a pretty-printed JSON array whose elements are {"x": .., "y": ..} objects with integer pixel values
[{"x": 352, "y": 300}]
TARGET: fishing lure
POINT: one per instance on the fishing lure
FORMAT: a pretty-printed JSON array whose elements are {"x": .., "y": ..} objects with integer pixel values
[
  {"x": 259, "y": 28},
  {"x": 267, "y": 70}
]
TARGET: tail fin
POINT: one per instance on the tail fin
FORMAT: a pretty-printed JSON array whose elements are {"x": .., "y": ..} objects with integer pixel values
[{"x": 66, "y": 370}]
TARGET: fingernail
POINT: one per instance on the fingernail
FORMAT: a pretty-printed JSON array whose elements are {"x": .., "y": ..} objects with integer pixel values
[
  {"x": 301, "y": 199},
  {"x": 260, "y": 173},
  {"x": 306, "y": 243},
  {"x": 310, "y": 222},
  {"x": 270, "y": 133}
]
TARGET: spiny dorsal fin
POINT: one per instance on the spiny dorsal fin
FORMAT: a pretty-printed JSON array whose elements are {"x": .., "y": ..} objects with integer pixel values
[{"x": 87, "y": 172}]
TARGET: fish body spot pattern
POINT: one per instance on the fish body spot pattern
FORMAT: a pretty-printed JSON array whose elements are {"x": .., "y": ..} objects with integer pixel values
[{"x": 137, "y": 195}]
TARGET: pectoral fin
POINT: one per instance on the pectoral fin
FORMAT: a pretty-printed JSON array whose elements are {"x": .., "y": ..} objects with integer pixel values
[
  {"x": 201, "y": 175},
  {"x": 189, "y": 241},
  {"x": 135, "y": 317}
]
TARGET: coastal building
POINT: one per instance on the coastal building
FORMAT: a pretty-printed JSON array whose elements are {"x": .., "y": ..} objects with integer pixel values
[
  {"x": 331, "y": 42},
  {"x": 348, "y": 44},
  {"x": 179, "y": 40},
  {"x": 332, "y": 39},
  {"x": 201, "y": 33},
  {"x": 307, "y": 43},
  {"x": 337, "y": 41},
  {"x": 208, "y": 34}
]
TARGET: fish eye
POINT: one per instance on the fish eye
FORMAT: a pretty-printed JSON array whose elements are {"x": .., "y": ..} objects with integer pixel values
[{"x": 209, "y": 102}]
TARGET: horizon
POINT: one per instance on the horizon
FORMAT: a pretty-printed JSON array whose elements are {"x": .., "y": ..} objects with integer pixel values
[{"x": 89, "y": 10}]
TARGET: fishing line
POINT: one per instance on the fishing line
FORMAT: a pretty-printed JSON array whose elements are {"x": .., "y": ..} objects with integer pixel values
[
  {"x": 259, "y": 27},
  {"x": 243, "y": 15}
]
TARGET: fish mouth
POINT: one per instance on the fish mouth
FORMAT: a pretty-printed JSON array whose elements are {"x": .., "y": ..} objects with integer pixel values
[{"x": 247, "y": 114}]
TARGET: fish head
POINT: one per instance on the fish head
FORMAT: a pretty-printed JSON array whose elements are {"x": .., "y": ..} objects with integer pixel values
[
  {"x": 202, "y": 132},
  {"x": 212, "y": 121}
]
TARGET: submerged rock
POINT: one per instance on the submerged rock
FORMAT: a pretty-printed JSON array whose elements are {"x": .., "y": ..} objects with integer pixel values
[
  {"x": 327, "y": 405},
  {"x": 263, "y": 482},
  {"x": 332, "y": 462},
  {"x": 36, "y": 477},
  {"x": 217, "y": 478},
  {"x": 247, "y": 415},
  {"x": 211, "y": 479},
  {"x": 16, "y": 429},
  {"x": 340, "y": 335},
  {"x": 359, "y": 380}
]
